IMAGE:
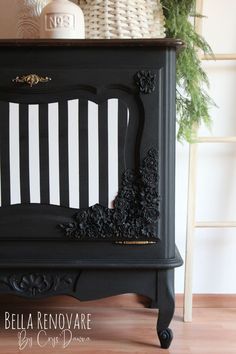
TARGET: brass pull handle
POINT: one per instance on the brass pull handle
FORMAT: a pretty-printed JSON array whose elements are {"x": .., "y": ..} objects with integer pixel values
[
  {"x": 31, "y": 79},
  {"x": 135, "y": 242}
]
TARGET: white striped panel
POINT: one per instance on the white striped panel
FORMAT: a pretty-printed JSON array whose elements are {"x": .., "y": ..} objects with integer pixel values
[
  {"x": 73, "y": 129},
  {"x": 14, "y": 153},
  {"x": 112, "y": 150},
  {"x": 93, "y": 153},
  {"x": 53, "y": 153},
  {"x": 73, "y": 138},
  {"x": 34, "y": 169}
]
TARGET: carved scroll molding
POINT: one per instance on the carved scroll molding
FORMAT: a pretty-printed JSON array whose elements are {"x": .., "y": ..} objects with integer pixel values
[
  {"x": 146, "y": 81},
  {"x": 136, "y": 209},
  {"x": 35, "y": 284}
]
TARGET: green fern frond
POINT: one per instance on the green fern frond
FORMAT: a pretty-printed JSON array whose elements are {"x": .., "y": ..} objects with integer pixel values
[{"x": 193, "y": 102}]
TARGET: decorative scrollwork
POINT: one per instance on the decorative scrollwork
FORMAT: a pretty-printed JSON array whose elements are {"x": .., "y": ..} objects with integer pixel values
[
  {"x": 146, "y": 81},
  {"x": 31, "y": 79},
  {"x": 136, "y": 209},
  {"x": 36, "y": 283}
]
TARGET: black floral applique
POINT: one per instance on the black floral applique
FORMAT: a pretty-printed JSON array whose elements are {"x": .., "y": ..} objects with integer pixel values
[
  {"x": 146, "y": 81},
  {"x": 136, "y": 209}
]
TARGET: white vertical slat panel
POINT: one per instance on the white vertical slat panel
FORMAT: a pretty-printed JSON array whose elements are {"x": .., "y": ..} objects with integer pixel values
[
  {"x": 34, "y": 169},
  {"x": 73, "y": 141},
  {"x": 73, "y": 128},
  {"x": 53, "y": 153},
  {"x": 112, "y": 149},
  {"x": 14, "y": 153},
  {"x": 93, "y": 153}
]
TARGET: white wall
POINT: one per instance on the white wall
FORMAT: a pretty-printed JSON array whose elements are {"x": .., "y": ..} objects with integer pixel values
[
  {"x": 214, "y": 261},
  {"x": 7, "y": 18}
]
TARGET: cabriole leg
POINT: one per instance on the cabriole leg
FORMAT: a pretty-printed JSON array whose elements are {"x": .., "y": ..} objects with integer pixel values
[{"x": 166, "y": 304}]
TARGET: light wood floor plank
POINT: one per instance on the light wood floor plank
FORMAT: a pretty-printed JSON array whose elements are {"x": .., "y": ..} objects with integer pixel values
[{"x": 129, "y": 328}]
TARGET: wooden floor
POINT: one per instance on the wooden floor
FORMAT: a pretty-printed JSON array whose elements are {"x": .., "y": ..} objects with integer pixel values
[{"x": 128, "y": 327}]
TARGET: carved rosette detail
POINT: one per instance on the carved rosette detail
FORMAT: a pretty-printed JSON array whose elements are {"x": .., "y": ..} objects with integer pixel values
[
  {"x": 146, "y": 81},
  {"x": 36, "y": 284},
  {"x": 136, "y": 209}
]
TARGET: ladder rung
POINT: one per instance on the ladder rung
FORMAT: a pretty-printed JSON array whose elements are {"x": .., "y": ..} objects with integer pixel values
[
  {"x": 228, "y": 56},
  {"x": 215, "y": 224},
  {"x": 215, "y": 139}
]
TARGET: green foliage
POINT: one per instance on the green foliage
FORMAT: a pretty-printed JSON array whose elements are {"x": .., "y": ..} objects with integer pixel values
[{"x": 193, "y": 102}]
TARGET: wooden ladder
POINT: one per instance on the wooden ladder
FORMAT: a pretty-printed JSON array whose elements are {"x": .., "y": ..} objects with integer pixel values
[{"x": 192, "y": 224}]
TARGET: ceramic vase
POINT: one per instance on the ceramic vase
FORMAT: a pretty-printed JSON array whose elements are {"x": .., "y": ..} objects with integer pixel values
[
  {"x": 62, "y": 19},
  {"x": 28, "y": 14}
]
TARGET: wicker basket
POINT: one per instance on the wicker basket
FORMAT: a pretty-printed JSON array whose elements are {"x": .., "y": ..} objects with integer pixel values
[{"x": 123, "y": 18}]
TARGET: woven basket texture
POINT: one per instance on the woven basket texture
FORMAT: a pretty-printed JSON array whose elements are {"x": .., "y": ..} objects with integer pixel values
[{"x": 123, "y": 18}]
